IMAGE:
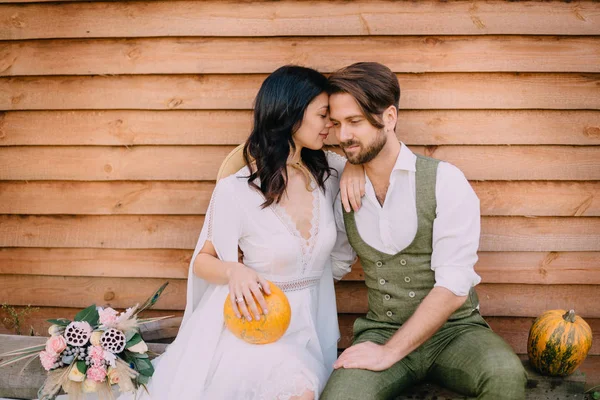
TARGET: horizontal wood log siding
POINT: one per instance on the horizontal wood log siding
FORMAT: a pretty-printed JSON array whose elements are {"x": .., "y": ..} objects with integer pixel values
[{"x": 116, "y": 115}]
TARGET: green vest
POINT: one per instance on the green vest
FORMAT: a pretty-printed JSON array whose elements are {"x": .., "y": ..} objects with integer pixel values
[{"x": 398, "y": 283}]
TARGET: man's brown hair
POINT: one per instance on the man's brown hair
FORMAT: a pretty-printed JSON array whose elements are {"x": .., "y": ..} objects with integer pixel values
[{"x": 374, "y": 87}]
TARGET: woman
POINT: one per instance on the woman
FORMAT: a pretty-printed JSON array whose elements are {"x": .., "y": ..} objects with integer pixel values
[{"x": 278, "y": 211}]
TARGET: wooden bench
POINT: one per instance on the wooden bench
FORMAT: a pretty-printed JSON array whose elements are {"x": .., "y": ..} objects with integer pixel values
[
  {"x": 14, "y": 384},
  {"x": 538, "y": 386}
]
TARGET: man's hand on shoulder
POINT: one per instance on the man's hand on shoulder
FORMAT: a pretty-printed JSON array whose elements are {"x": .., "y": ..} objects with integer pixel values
[{"x": 366, "y": 355}]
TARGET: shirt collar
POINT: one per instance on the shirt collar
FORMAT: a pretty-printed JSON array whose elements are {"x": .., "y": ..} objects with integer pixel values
[{"x": 406, "y": 160}]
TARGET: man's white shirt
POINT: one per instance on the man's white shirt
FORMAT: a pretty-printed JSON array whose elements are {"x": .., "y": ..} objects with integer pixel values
[{"x": 392, "y": 227}]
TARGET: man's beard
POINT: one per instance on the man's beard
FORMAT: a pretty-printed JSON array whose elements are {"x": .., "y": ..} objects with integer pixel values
[{"x": 368, "y": 154}]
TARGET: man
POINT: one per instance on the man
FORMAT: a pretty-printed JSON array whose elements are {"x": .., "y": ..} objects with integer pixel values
[{"x": 417, "y": 234}]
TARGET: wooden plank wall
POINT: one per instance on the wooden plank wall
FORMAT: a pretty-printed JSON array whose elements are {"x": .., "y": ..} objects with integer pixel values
[{"x": 116, "y": 116}]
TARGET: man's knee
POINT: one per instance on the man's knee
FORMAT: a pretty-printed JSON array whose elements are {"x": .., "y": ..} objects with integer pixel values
[
  {"x": 351, "y": 384},
  {"x": 339, "y": 386},
  {"x": 503, "y": 379}
]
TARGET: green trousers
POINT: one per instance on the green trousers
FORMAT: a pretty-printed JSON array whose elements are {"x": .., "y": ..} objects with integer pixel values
[{"x": 464, "y": 355}]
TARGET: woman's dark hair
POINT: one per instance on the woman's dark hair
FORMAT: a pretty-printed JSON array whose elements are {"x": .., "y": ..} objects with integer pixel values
[{"x": 279, "y": 108}]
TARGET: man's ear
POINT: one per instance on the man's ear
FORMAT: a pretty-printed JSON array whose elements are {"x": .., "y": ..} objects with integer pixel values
[{"x": 390, "y": 117}]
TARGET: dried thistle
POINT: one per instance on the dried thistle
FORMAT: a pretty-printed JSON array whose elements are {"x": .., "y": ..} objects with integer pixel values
[{"x": 15, "y": 317}]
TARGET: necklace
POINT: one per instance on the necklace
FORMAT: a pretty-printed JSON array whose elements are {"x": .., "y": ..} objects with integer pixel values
[{"x": 310, "y": 186}]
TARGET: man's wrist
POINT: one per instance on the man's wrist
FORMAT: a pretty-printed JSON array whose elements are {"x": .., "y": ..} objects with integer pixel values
[{"x": 395, "y": 352}]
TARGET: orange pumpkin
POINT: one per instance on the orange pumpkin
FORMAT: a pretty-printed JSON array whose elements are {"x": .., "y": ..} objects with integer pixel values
[
  {"x": 270, "y": 327},
  {"x": 558, "y": 342}
]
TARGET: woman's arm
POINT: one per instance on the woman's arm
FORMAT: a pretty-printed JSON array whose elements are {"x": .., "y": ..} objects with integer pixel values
[
  {"x": 352, "y": 186},
  {"x": 217, "y": 261},
  {"x": 351, "y": 180},
  {"x": 244, "y": 282}
]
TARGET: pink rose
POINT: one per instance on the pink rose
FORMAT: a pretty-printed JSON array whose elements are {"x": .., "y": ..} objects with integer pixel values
[
  {"x": 108, "y": 317},
  {"x": 56, "y": 344},
  {"x": 113, "y": 376},
  {"x": 48, "y": 359},
  {"x": 96, "y": 373}
]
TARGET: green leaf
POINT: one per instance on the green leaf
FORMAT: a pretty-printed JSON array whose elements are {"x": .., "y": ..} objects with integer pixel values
[
  {"x": 81, "y": 366},
  {"x": 139, "y": 355},
  {"x": 90, "y": 315},
  {"x": 596, "y": 395},
  {"x": 147, "y": 371},
  {"x": 59, "y": 321},
  {"x": 143, "y": 379},
  {"x": 143, "y": 364},
  {"x": 133, "y": 341},
  {"x": 129, "y": 335}
]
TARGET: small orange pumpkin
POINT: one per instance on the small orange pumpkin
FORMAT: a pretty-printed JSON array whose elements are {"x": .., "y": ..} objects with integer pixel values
[
  {"x": 270, "y": 327},
  {"x": 558, "y": 342}
]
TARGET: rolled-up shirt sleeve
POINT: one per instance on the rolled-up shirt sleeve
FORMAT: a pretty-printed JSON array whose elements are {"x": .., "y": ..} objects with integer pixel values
[
  {"x": 342, "y": 255},
  {"x": 456, "y": 231}
]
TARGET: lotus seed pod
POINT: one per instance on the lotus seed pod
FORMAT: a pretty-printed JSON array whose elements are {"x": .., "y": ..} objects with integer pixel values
[
  {"x": 78, "y": 333},
  {"x": 113, "y": 340}
]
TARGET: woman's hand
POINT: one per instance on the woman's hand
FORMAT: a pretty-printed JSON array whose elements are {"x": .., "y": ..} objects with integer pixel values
[
  {"x": 244, "y": 286},
  {"x": 352, "y": 186}
]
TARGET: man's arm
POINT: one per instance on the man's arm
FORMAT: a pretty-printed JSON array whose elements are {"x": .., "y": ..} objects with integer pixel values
[
  {"x": 431, "y": 314},
  {"x": 455, "y": 244}
]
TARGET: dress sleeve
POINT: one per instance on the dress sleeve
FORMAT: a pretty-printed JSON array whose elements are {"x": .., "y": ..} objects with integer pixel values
[
  {"x": 342, "y": 255},
  {"x": 456, "y": 230},
  {"x": 223, "y": 227},
  {"x": 338, "y": 163},
  {"x": 223, "y": 221},
  {"x": 335, "y": 161}
]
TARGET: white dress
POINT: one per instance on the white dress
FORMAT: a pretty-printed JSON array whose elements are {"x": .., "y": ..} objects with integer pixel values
[{"x": 206, "y": 361}]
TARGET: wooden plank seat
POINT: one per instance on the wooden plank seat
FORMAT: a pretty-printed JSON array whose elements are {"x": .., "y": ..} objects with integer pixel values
[{"x": 19, "y": 383}]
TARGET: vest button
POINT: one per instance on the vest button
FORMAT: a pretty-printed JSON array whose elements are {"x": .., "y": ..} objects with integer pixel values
[
  {"x": 382, "y": 281},
  {"x": 406, "y": 279},
  {"x": 387, "y": 297},
  {"x": 403, "y": 262},
  {"x": 379, "y": 263},
  {"x": 411, "y": 294},
  {"x": 389, "y": 313}
]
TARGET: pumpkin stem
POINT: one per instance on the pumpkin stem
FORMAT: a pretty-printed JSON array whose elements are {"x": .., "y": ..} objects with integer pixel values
[{"x": 569, "y": 316}]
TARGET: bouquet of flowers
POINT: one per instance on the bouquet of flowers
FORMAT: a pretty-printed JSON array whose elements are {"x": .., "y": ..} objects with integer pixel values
[{"x": 99, "y": 348}]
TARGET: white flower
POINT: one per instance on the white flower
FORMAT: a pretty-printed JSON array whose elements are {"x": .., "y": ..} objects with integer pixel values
[
  {"x": 140, "y": 347},
  {"x": 110, "y": 358},
  {"x": 55, "y": 330},
  {"x": 95, "y": 338},
  {"x": 75, "y": 375}
]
